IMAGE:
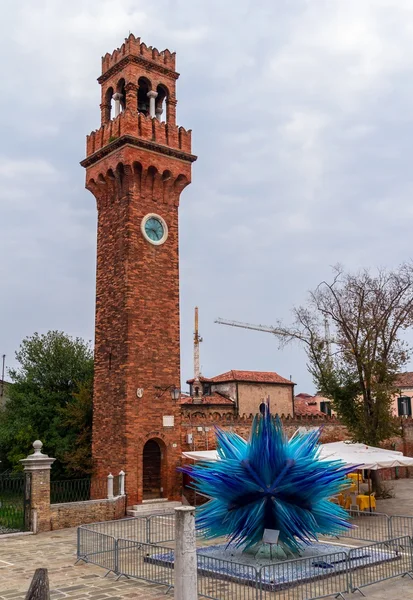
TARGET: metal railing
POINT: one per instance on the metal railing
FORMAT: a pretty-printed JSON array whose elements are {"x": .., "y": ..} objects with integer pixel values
[
  {"x": 12, "y": 487},
  {"x": 122, "y": 547},
  {"x": 389, "y": 559},
  {"x": 315, "y": 577},
  {"x": 368, "y": 526},
  {"x": 145, "y": 561},
  {"x": 401, "y": 526},
  {"x": 77, "y": 490},
  {"x": 215, "y": 580},
  {"x": 87, "y": 488},
  {"x": 97, "y": 548}
]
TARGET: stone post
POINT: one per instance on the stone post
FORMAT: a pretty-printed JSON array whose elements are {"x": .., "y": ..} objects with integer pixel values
[
  {"x": 110, "y": 486},
  {"x": 37, "y": 472},
  {"x": 185, "y": 568},
  {"x": 121, "y": 483}
]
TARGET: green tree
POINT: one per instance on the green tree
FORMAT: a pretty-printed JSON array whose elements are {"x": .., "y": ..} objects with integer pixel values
[
  {"x": 54, "y": 370},
  {"x": 352, "y": 330}
]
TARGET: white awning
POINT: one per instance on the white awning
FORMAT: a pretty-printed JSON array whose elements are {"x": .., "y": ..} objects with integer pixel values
[
  {"x": 357, "y": 455},
  {"x": 367, "y": 457},
  {"x": 210, "y": 455}
]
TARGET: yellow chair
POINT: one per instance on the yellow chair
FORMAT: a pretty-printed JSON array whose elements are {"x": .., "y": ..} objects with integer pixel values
[{"x": 355, "y": 477}]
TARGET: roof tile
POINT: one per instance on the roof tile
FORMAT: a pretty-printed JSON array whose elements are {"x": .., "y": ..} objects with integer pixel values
[
  {"x": 215, "y": 399},
  {"x": 251, "y": 376},
  {"x": 404, "y": 379}
]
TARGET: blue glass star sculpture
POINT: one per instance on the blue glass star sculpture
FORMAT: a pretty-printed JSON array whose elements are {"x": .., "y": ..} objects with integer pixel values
[{"x": 269, "y": 482}]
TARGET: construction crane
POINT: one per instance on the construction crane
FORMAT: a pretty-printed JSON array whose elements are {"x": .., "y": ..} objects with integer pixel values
[
  {"x": 249, "y": 326},
  {"x": 275, "y": 330}
]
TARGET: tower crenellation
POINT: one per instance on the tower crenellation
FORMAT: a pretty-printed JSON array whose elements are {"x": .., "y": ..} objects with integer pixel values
[
  {"x": 139, "y": 125},
  {"x": 133, "y": 47}
]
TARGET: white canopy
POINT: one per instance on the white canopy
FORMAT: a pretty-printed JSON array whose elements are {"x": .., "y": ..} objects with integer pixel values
[
  {"x": 366, "y": 457},
  {"x": 358, "y": 455}
]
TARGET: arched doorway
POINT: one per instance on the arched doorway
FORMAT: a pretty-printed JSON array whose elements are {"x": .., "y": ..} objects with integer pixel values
[{"x": 152, "y": 479}]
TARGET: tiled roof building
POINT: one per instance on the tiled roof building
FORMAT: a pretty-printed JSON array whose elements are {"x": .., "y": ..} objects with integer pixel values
[{"x": 242, "y": 392}]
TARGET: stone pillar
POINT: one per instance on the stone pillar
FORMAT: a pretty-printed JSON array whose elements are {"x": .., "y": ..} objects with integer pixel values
[
  {"x": 117, "y": 98},
  {"x": 121, "y": 483},
  {"x": 37, "y": 467},
  {"x": 158, "y": 112},
  {"x": 185, "y": 568},
  {"x": 110, "y": 486},
  {"x": 152, "y": 97}
]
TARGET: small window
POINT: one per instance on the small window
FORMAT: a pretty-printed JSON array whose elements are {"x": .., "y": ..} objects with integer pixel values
[
  {"x": 207, "y": 389},
  {"x": 404, "y": 406},
  {"x": 197, "y": 392},
  {"x": 325, "y": 408}
]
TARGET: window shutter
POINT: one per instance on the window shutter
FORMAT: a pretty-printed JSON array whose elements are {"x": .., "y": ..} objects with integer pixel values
[{"x": 404, "y": 404}]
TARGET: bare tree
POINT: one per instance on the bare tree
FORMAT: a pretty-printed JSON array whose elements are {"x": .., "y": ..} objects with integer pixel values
[{"x": 366, "y": 314}]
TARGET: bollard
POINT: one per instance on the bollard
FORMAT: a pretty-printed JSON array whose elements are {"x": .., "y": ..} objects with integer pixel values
[{"x": 185, "y": 568}]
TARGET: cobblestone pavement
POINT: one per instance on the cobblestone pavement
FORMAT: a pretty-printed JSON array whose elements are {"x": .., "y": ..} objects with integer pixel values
[{"x": 20, "y": 556}]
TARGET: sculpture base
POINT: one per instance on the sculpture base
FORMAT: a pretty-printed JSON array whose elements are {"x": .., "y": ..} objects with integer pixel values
[{"x": 322, "y": 560}]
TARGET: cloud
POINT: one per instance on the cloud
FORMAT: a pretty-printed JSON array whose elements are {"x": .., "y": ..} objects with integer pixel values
[
  {"x": 302, "y": 119},
  {"x": 32, "y": 167}
]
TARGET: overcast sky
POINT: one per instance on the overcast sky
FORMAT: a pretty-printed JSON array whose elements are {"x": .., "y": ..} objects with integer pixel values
[{"x": 302, "y": 119}]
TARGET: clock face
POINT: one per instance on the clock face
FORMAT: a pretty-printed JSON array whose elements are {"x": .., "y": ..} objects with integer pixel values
[{"x": 154, "y": 229}]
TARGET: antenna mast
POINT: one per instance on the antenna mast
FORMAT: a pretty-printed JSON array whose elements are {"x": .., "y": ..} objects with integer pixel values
[{"x": 197, "y": 340}]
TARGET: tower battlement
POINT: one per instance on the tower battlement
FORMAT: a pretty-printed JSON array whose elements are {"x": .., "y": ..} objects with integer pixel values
[
  {"x": 133, "y": 47},
  {"x": 140, "y": 126}
]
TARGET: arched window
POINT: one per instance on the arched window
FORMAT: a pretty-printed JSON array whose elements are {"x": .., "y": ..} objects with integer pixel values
[
  {"x": 160, "y": 103},
  {"x": 120, "y": 89},
  {"x": 143, "y": 100},
  {"x": 108, "y": 104},
  {"x": 119, "y": 97}
]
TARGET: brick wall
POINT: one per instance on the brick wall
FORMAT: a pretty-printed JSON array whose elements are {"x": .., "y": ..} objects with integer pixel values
[
  {"x": 201, "y": 426},
  {"x": 143, "y": 170},
  {"x": 40, "y": 500},
  {"x": 72, "y": 514}
]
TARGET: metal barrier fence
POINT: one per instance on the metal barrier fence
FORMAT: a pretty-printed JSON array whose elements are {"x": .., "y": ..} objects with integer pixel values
[
  {"x": 392, "y": 558},
  {"x": 215, "y": 580},
  {"x": 401, "y": 526},
  {"x": 97, "y": 548},
  {"x": 160, "y": 528},
  {"x": 316, "y": 577},
  {"x": 110, "y": 546},
  {"x": 145, "y": 561},
  {"x": 368, "y": 526}
]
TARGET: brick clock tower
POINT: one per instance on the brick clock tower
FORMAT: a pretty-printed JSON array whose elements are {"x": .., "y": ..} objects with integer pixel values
[{"x": 137, "y": 165}]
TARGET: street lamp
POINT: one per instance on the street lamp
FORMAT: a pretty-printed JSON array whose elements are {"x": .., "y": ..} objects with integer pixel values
[{"x": 175, "y": 393}]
